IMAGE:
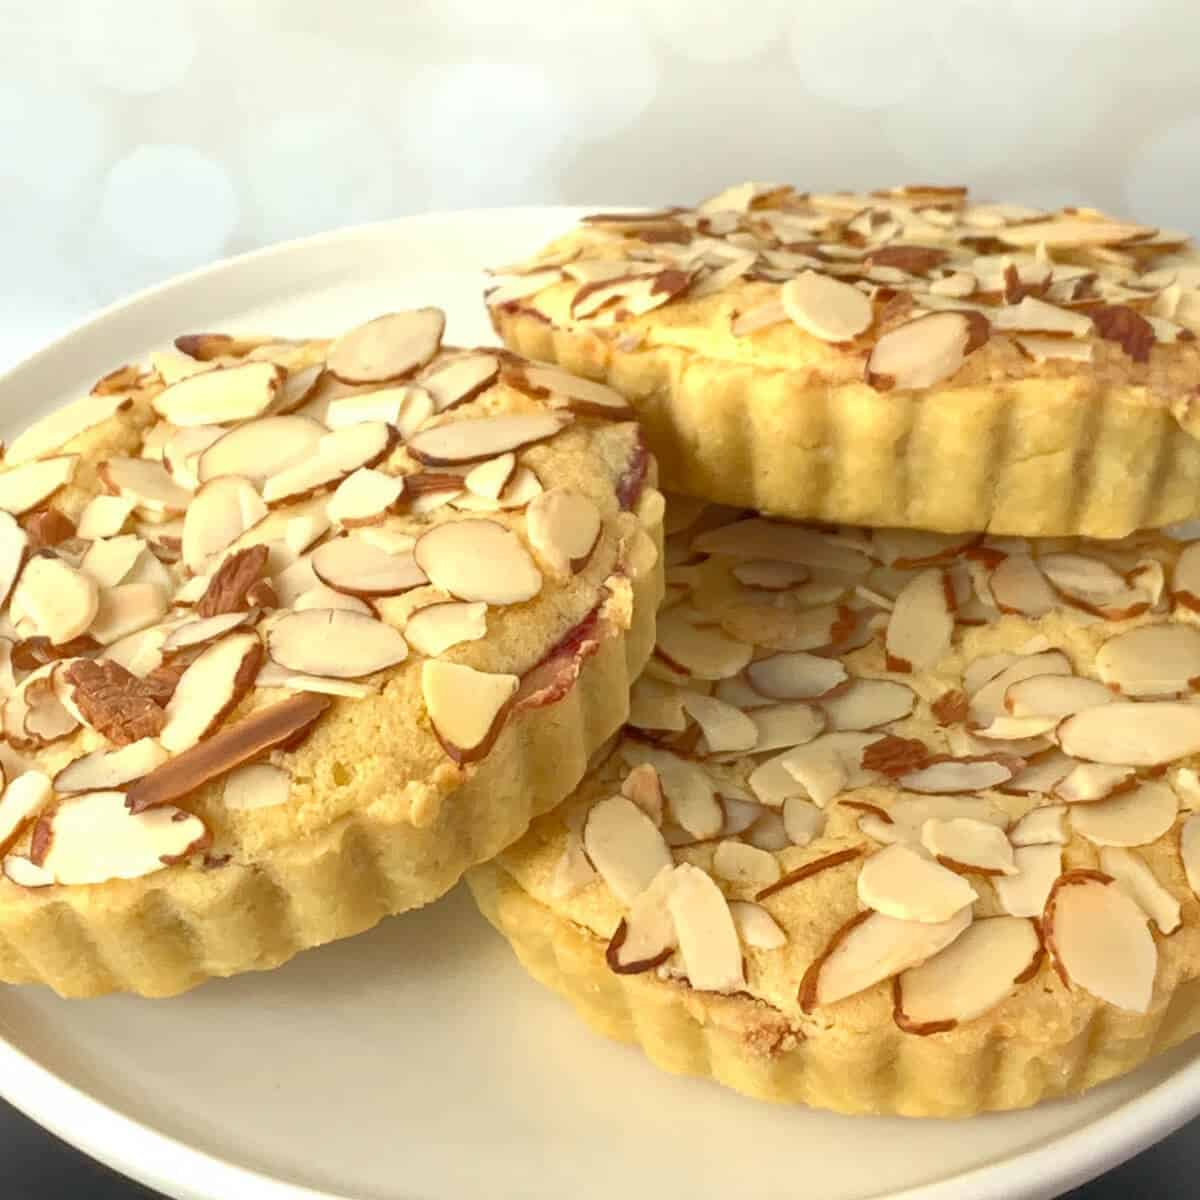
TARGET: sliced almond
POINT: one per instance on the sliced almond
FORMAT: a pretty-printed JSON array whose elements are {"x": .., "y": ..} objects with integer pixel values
[
  {"x": 1025, "y": 893},
  {"x": 1185, "y": 578},
  {"x": 1099, "y": 941},
  {"x": 757, "y": 538},
  {"x": 790, "y": 723},
  {"x": 708, "y": 940},
  {"x": 643, "y": 786},
  {"x": 900, "y": 883},
  {"x": 872, "y": 947},
  {"x": 645, "y": 937},
  {"x": 1189, "y": 851},
  {"x": 726, "y": 729},
  {"x": 923, "y": 352},
  {"x": 259, "y": 449},
  {"x": 62, "y": 602},
  {"x": 802, "y": 821},
  {"x": 755, "y": 926},
  {"x": 356, "y": 567},
  {"x": 337, "y": 455},
  {"x": 1089, "y": 782},
  {"x": 14, "y": 543},
  {"x": 478, "y": 560},
  {"x": 770, "y": 576},
  {"x": 126, "y": 609},
  {"x": 215, "y": 397},
  {"x": 474, "y": 440},
  {"x": 827, "y": 308},
  {"x": 699, "y": 651},
  {"x": 988, "y": 701},
  {"x": 1135, "y": 817},
  {"x": 1018, "y": 586},
  {"x": 689, "y": 790},
  {"x": 255, "y": 786},
  {"x": 460, "y": 379},
  {"x": 654, "y": 704},
  {"x": 334, "y": 643},
  {"x": 387, "y": 347},
  {"x": 182, "y": 451},
  {"x": 1092, "y": 584},
  {"x": 202, "y": 631},
  {"x": 744, "y": 865},
  {"x": 145, "y": 482},
  {"x": 1041, "y": 827},
  {"x": 974, "y": 975},
  {"x": 1153, "y": 660},
  {"x": 1065, "y": 232},
  {"x": 109, "y": 560},
  {"x": 210, "y": 689},
  {"x": 24, "y": 798},
  {"x": 867, "y": 704},
  {"x": 795, "y": 676},
  {"x": 1144, "y": 734},
  {"x": 320, "y": 596},
  {"x": 563, "y": 528},
  {"x": 625, "y": 846},
  {"x": 1055, "y": 695},
  {"x": 434, "y": 629},
  {"x": 490, "y": 477},
  {"x": 19, "y": 870},
  {"x": 961, "y": 775},
  {"x": 1031, "y": 315},
  {"x": 963, "y": 843},
  {"x": 922, "y": 623},
  {"x": 1135, "y": 878},
  {"x": 466, "y": 707},
  {"x": 822, "y": 768},
  {"x": 106, "y": 769},
  {"x": 205, "y": 347},
  {"x": 26, "y": 487},
  {"x": 63, "y": 425},
  {"x": 583, "y": 396},
  {"x": 223, "y": 509}
]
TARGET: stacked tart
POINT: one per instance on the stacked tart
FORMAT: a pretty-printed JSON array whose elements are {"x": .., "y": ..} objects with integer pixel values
[
  {"x": 906, "y": 815},
  {"x": 295, "y": 632}
]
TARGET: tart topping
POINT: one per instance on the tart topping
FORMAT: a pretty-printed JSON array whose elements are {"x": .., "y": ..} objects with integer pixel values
[
  {"x": 1135, "y": 817},
  {"x": 388, "y": 347},
  {"x": 1135, "y": 878},
  {"x": 1189, "y": 851},
  {"x": 900, "y": 883},
  {"x": 478, "y": 560},
  {"x": 625, "y": 846},
  {"x": 112, "y": 701},
  {"x": 1153, "y": 660},
  {"x": 257, "y": 785},
  {"x": 708, "y": 940},
  {"x": 435, "y": 628},
  {"x": 466, "y": 707},
  {"x": 25, "y": 487},
  {"x": 1025, "y": 893},
  {"x": 335, "y": 643},
  {"x": 224, "y": 394},
  {"x": 23, "y": 800},
  {"x": 563, "y": 528},
  {"x": 921, "y": 624},
  {"x": 1143, "y": 734},
  {"x": 795, "y": 676},
  {"x": 966, "y": 844},
  {"x": 925, "y": 351},
  {"x": 210, "y": 689},
  {"x": 103, "y": 770},
  {"x": 755, "y": 926},
  {"x": 826, "y": 308},
  {"x": 59, "y": 600},
  {"x": 358, "y": 568},
  {"x": 645, "y": 938},
  {"x": 486, "y": 437}
]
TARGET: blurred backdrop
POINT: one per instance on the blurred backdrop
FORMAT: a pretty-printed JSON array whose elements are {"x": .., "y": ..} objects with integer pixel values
[{"x": 139, "y": 138}]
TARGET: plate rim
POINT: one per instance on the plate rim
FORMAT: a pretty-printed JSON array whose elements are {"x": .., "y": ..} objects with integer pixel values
[{"x": 168, "y": 1164}]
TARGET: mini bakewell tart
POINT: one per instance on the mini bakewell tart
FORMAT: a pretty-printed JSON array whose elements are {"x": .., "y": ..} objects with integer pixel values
[
  {"x": 901, "y": 823},
  {"x": 895, "y": 358},
  {"x": 293, "y": 633}
]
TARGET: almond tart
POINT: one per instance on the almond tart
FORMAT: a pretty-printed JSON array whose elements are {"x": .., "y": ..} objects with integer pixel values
[
  {"x": 901, "y": 823},
  {"x": 899, "y": 358},
  {"x": 293, "y": 633}
]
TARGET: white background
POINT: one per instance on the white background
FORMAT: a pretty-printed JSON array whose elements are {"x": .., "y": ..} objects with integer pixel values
[{"x": 139, "y": 138}]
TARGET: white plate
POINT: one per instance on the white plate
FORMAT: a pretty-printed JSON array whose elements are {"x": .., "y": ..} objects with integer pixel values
[{"x": 418, "y": 1060}]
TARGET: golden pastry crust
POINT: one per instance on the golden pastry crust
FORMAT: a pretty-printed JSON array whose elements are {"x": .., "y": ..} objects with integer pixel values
[
  {"x": 1018, "y": 438},
  {"x": 379, "y": 817},
  {"x": 1040, "y": 1036}
]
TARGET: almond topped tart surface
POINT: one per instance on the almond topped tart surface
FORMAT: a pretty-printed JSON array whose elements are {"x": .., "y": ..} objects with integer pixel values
[
  {"x": 901, "y": 822},
  {"x": 293, "y": 633},
  {"x": 896, "y": 358}
]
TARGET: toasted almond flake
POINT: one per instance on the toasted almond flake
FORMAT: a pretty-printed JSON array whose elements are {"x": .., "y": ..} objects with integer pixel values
[
  {"x": 789, "y": 723},
  {"x": 387, "y": 347},
  {"x": 63, "y": 425},
  {"x": 923, "y": 352},
  {"x": 708, "y": 940},
  {"x": 654, "y": 704},
  {"x": 106, "y": 769},
  {"x": 643, "y": 786},
  {"x": 364, "y": 497},
  {"x": 1144, "y": 734},
  {"x": 921, "y": 624},
  {"x": 1135, "y": 817},
  {"x": 972, "y": 976},
  {"x": 353, "y": 566},
  {"x": 210, "y": 689},
  {"x": 474, "y": 440},
  {"x": 205, "y": 629},
  {"x": 434, "y": 629},
  {"x": 871, "y": 948},
  {"x": 1055, "y": 695},
  {"x": 24, "y": 798},
  {"x": 900, "y": 883},
  {"x": 1099, "y": 940},
  {"x": 139, "y": 652},
  {"x": 1041, "y": 827},
  {"x": 689, "y": 790},
  {"x": 490, "y": 477},
  {"x": 1088, "y": 782},
  {"x": 145, "y": 482},
  {"x": 1025, "y": 893},
  {"x": 1083, "y": 579},
  {"x": 460, "y": 379},
  {"x": 1135, "y": 878},
  {"x": 867, "y": 704},
  {"x": 970, "y": 844},
  {"x": 988, "y": 701},
  {"x": 1018, "y": 586},
  {"x": 523, "y": 286},
  {"x": 759, "y": 538},
  {"x": 1067, "y": 232},
  {"x": 1014, "y": 729},
  {"x": 334, "y": 643},
  {"x": 221, "y": 395},
  {"x": 726, "y": 729},
  {"x": 466, "y": 707},
  {"x": 768, "y": 832},
  {"x": 1152, "y": 660},
  {"x": 337, "y": 454},
  {"x": 795, "y": 676},
  {"x": 957, "y": 285},
  {"x": 61, "y": 601},
  {"x": 700, "y": 651},
  {"x": 255, "y": 786},
  {"x": 802, "y": 821},
  {"x": 104, "y": 516},
  {"x": 744, "y": 865},
  {"x": 223, "y": 509},
  {"x": 109, "y": 560},
  {"x": 563, "y": 529},
  {"x": 625, "y": 847},
  {"x": 1031, "y": 315},
  {"x": 645, "y": 937},
  {"x": 755, "y": 926},
  {"x": 822, "y": 768},
  {"x": 182, "y": 451},
  {"x": 827, "y": 308},
  {"x": 387, "y": 404},
  {"x": 259, "y": 449},
  {"x": 583, "y": 396},
  {"x": 478, "y": 560},
  {"x": 961, "y": 775},
  {"x": 906, "y": 549},
  {"x": 320, "y": 596},
  {"x": 26, "y": 487}
]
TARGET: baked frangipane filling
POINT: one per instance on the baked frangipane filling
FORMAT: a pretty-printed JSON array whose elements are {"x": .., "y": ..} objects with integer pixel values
[
  {"x": 901, "y": 822},
  {"x": 295, "y": 632},
  {"x": 894, "y": 358}
]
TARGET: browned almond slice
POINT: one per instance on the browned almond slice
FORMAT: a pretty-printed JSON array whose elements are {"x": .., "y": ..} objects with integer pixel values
[
  {"x": 708, "y": 939},
  {"x": 1055, "y": 695},
  {"x": 872, "y": 947},
  {"x": 1135, "y": 817},
  {"x": 61, "y": 601},
  {"x": 104, "y": 516},
  {"x": 744, "y": 865},
  {"x": 351, "y": 565},
  {"x": 1189, "y": 851},
  {"x": 924, "y": 352},
  {"x": 625, "y": 847},
  {"x": 254, "y": 786},
  {"x": 755, "y": 926},
  {"x": 1135, "y": 878},
  {"x": 210, "y": 689},
  {"x": 1089, "y": 782},
  {"x": 337, "y": 454},
  {"x": 583, "y": 396},
  {"x": 432, "y": 630},
  {"x": 689, "y": 790},
  {"x": 966, "y": 843},
  {"x": 223, "y": 509},
  {"x": 109, "y": 560},
  {"x": 491, "y": 476},
  {"x": 364, "y": 497},
  {"x": 56, "y": 429},
  {"x": 921, "y": 624},
  {"x": 259, "y": 449},
  {"x": 789, "y": 723},
  {"x": 229, "y": 747},
  {"x": 299, "y": 386},
  {"x": 466, "y": 707},
  {"x": 145, "y": 482},
  {"x": 970, "y": 977},
  {"x": 795, "y": 676},
  {"x": 988, "y": 701},
  {"x": 474, "y": 440},
  {"x": 645, "y": 937},
  {"x": 700, "y": 651},
  {"x": 1185, "y": 578},
  {"x": 202, "y": 631},
  {"x": 460, "y": 379},
  {"x": 725, "y": 728},
  {"x": 25, "y": 487},
  {"x": 215, "y": 397},
  {"x": 1041, "y": 827},
  {"x": 1142, "y": 734},
  {"x": 387, "y": 347},
  {"x": 1025, "y": 893},
  {"x": 770, "y": 576},
  {"x": 757, "y": 538},
  {"x": 901, "y": 883},
  {"x": 1099, "y": 940},
  {"x": 106, "y": 769},
  {"x": 1153, "y": 660},
  {"x": 24, "y": 798},
  {"x": 1065, "y": 231},
  {"x": 93, "y": 839},
  {"x": 827, "y": 308},
  {"x": 1018, "y": 586},
  {"x": 961, "y": 775},
  {"x": 334, "y": 643},
  {"x": 478, "y": 560},
  {"x": 1032, "y": 315},
  {"x": 867, "y": 704},
  {"x": 563, "y": 528},
  {"x": 208, "y": 346}
]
